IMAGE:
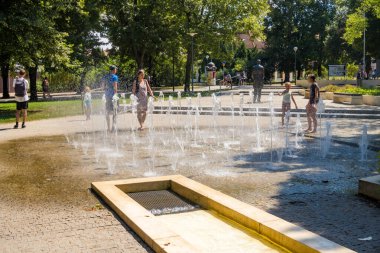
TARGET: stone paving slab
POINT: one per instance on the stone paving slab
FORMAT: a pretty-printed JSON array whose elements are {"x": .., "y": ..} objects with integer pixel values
[{"x": 66, "y": 231}]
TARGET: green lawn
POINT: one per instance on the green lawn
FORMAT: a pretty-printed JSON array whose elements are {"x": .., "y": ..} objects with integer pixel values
[
  {"x": 46, "y": 109},
  {"x": 55, "y": 109}
]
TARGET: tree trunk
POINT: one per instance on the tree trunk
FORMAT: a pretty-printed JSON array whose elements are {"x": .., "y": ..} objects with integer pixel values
[
  {"x": 139, "y": 57},
  {"x": 319, "y": 70},
  {"x": 33, "y": 83},
  {"x": 188, "y": 71},
  {"x": 82, "y": 79},
  {"x": 299, "y": 73},
  {"x": 287, "y": 76},
  {"x": 4, "y": 76}
]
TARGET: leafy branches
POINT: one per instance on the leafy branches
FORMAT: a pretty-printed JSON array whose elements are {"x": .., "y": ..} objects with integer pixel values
[{"x": 357, "y": 22}]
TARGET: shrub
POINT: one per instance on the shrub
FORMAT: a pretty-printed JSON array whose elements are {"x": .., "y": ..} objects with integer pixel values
[
  {"x": 351, "y": 89},
  {"x": 330, "y": 88}
]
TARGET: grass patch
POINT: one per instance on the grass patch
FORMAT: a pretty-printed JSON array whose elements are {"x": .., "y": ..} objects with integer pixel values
[
  {"x": 46, "y": 109},
  {"x": 56, "y": 109}
]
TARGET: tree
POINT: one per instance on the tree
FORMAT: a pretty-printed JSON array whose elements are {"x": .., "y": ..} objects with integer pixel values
[
  {"x": 217, "y": 23},
  {"x": 138, "y": 29},
  {"x": 300, "y": 23},
  {"x": 147, "y": 30},
  {"x": 363, "y": 15},
  {"x": 9, "y": 23},
  {"x": 356, "y": 21},
  {"x": 337, "y": 50},
  {"x": 33, "y": 39},
  {"x": 80, "y": 20}
]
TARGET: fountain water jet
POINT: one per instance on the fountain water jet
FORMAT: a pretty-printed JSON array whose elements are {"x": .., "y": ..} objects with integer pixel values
[
  {"x": 363, "y": 144},
  {"x": 326, "y": 140}
]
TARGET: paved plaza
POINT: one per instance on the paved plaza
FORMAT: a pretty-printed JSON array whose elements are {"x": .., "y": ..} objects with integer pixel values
[{"x": 47, "y": 206}]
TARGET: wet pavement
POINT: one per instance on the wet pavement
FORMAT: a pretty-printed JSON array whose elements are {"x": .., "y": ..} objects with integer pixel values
[{"x": 46, "y": 204}]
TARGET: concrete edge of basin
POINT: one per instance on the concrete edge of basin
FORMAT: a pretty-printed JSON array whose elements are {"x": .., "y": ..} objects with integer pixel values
[
  {"x": 161, "y": 239},
  {"x": 370, "y": 187}
]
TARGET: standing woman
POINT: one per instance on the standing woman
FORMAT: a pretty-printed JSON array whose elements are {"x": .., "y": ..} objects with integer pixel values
[
  {"x": 140, "y": 89},
  {"x": 45, "y": 88},
  {"x": 311, "y": 107}
]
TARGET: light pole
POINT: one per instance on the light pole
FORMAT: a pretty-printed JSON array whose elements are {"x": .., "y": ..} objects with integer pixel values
[
  {"x": 295, "y": 65},
  {"x": 223, "y": 65},
  {"x": 207, "y": 56},
  {"x": 192, "y": 60},
  {"x": 364, "y": 48},
  {"x": 173, "y": 77}
]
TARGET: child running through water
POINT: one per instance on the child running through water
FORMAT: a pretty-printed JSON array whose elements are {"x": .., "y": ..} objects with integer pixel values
[
  {"x": 286, "y": 103},
  {"x": 87, "y": 102}
]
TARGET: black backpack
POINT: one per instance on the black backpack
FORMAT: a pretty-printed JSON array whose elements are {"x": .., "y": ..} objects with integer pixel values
[{"x": 20, "y": 87}]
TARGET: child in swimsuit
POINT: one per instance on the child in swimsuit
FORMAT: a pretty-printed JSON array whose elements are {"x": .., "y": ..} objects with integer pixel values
[
  {"x": 87, "y": 102},
  {"x": 287, "y": 96}
]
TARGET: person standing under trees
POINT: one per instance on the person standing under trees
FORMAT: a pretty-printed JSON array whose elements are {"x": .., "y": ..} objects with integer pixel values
[
  {"x": 45, "y": 88},
  {"x": 21, "y": 86},
  {"x": 110, "y": 82},
  {"x": 140, "y": 89},
  {"x": 258, "y": 81},
  {"x": 311, "y": 107}
]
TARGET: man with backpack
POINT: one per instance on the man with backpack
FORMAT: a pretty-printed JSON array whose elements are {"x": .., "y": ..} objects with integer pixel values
[{"x": 21, "y": 86}]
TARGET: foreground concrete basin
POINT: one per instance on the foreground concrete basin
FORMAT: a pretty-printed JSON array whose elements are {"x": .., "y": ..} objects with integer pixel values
[{"x": 220, "y": 223}]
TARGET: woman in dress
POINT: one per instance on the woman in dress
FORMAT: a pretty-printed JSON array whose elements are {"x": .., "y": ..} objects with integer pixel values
[{"x": 140, "y": 89}]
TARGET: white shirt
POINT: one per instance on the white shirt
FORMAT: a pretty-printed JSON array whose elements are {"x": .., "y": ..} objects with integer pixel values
[
  {"x": 26, "y": 97},
  {"x": 87, "y": 97}
]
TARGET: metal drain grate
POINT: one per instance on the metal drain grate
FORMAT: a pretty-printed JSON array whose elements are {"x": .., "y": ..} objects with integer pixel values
[{"x": 163, "y": 202}]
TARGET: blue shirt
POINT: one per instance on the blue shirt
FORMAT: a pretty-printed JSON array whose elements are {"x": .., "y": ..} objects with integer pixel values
[{"x": 109, "y": 80}]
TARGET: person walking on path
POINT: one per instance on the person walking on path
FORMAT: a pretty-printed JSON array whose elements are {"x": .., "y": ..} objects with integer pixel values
[
  {"x": 21, "y": 86},
  {"x": 110, "y": 83},
  {"x": 140, "y": 89},
  {"x": 311, "y": 107},
  {"x": 287, "y": 96},
  {"x": 45, "y": 88}
]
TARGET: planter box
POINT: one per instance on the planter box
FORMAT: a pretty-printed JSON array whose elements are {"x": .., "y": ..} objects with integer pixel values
[
  {"x": 357, "y": 100},
  {"x": 370, "y": 186},
  {"x": 353, "y": 99},
  {"x": 371, "y": 100},
  {"x": 328, "y": 95},
  {"x": 338, "y": 98},
  {"x": 307, "y": 94}
]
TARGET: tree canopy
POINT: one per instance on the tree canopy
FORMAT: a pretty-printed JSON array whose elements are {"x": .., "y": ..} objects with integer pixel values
[{"x": 67, "y": 36}]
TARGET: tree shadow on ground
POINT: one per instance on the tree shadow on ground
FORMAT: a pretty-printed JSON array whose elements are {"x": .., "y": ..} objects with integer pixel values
[{"x": 320, "y": 194}]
